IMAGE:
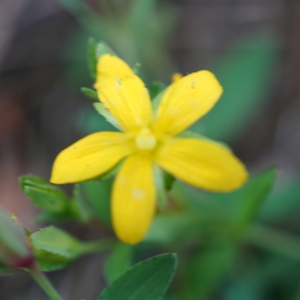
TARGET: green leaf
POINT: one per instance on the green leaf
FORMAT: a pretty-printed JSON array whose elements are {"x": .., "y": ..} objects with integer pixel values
[
  {"x": 102, "y": 48},
  {"x": 136, "y": 68},
  {"x": 98, "y": 194},
  {"x": 245, "y": 73},
  {"x": 56, "y": 241},
  {"x": 248, "y": 200},
  {"x": 160, "y": 188},
  {"x": 157, "y": 99},
  {"x": 283, "y": 201},
  {"x": 81, "y": 208},
  {"x": 53, "y": 217},
  {"x": 90, "y": 121},
  {"x": 106, "y": 114},
  {"x": 90, "y": 93},
  {"x": 118, "y": 261},
  {"x": 155, "y": 88},
  {"x": 13, "y": 244},
  {"x": 174, "y": 227},
  {"x": 44, "y": 195},
  {"x": 274, "y": 240},
  {"x": 147, "y": 280},
  {"x": 169, "y": 181},
  {"x": 48, "y": 261},
  {"x": 239, "y": 208},
  {"x": 92, "y": 57},
  {"x": 205, "y": 269}
]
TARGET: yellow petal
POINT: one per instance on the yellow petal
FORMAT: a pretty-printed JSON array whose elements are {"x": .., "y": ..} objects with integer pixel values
[
  {"x": 123, "y": 93},
  {"x": 133, "y": 199},
  {"x": 185, "y": 101},
  {"x": 202, "y": 163},
  {"x": 90, "y": 157}
]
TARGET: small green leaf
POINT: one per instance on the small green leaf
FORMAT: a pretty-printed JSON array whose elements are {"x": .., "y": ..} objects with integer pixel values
[
  {"x": 174, "y": 227},
  {"x": 106, "y": 114},
  {"x": 56, "y": 241},
  {"x": 90, "y": 121},
  {"x": 13, "y": 244},
  {"x": 44, "y": 195},
  {"x": 92, "y": 57},
  {"x": 102, "y": 48},
  {"x": 157, "y": 99},
  {"x": 206, "y": 268},
  {"x": 155, "y": 88},
  {"x": 147, "y": 280},
  {"x": 274, "y": 240},
  {"x": 169, "y": 181},
  {"x": 136, "y": 68},
  {"x": 53, "y": 217},
  {"x": 160, "y": 188},
  {"x": 81, "y": 208},
  {"x": 48, "y": 261},
  {"x": 98, "y": 194},
  {"x": 248, "y": 200},
  {"x": 282, "y": 202},
  {"x": 118, "y": 262},
  {"x": 90, "y": 93}
]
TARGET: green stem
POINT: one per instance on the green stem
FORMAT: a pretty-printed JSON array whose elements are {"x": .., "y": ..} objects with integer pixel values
[
  {"x": 274, "y": 240},
  {"x": 98, "y": 246},
  {"x": 44, "y": 283}
]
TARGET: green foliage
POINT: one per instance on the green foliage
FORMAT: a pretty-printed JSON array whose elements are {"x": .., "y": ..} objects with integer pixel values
[
  {"x": 244, "y": 72},
  {"x": 55, "y": 248},
  {"x": 147, "y": 280},
  {"x": 89, "y": 93},
  {"x": 98, "y": 194},
  {"x": 160, "y": 188},
  {"x": 206, "y": 268},
  {"x": 56, "y": 241},
  {"x": 44, "y": 195},
  {"x": 248, "y": 200},
  {"x": 118, "y": 261},
  {"x": 283, "y": 201},
  {"x": 238, "y": 209},
  {"x": 13, "y": 245},
  {"x": 106, "y": 114},
  {"x": 156, "y": 88},
  {"x": 175, "y": 227},
  {"x": 92, "y": 57},
  {"x": 48, "y": 261},
  {"x": 56, "y": 205}
]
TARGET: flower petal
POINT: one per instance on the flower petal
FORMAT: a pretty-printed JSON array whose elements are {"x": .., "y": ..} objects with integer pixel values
[
  {"x": 185, "y": 101},
  {"x": 90, "y": 157},
  {"x": 123, "y": 93},
  {"x": 202, "y": 163},
  {"x": 133, "y": 199}
]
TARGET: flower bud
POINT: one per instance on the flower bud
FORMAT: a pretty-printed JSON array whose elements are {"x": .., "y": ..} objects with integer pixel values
[{"x": 14, "y": 250}]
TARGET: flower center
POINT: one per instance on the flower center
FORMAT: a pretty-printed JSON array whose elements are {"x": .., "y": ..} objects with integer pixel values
[{"x": 145, "y": 140}]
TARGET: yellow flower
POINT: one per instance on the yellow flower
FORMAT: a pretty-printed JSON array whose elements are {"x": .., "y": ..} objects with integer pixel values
[{"x": 148, "y": 138}]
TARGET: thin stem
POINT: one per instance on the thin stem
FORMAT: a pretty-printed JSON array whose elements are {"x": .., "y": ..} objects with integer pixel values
[
  {"x": 274, "y": 240},
  {"x": 44, "y": 283},
  {"x": 98, "y": 246}
]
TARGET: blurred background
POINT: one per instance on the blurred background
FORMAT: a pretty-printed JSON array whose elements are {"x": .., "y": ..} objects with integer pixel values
[{"x": 251, "y": 46}]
